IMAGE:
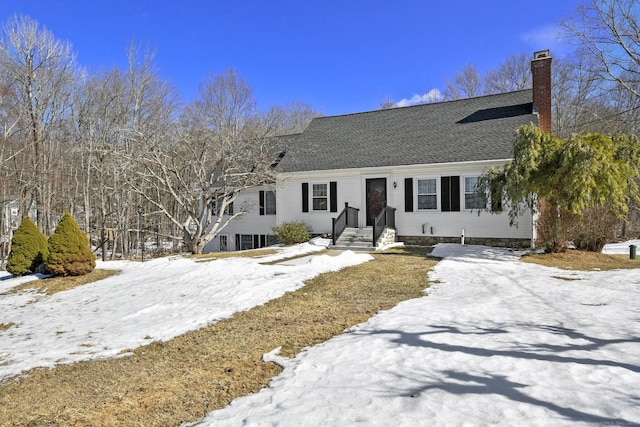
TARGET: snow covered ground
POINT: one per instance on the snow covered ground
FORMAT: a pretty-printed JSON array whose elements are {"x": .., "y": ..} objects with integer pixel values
[
  {"x": 494, "y": 342},
  {"x": 151, "y": 301}
]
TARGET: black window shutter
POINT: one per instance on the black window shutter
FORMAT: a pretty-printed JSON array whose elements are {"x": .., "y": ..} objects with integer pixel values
[
  {"x": 261, "y": 202},
  {"x": 263, "y": 240},
  {"x": 305, "y": 197},
  {"x": 333, "y": 196},
  {"x": 237, "y": 242},
  {"x": 256, "y": 241},
  {"x": 455, "y": 194},
  {"x": 408, "y": 194},
  {"x": 450, "y": 193},
  {"x": 445, "y": 198}
]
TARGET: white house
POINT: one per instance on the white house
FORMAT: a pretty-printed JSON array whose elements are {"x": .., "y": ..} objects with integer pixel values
[{"x": 414, "y": 168}]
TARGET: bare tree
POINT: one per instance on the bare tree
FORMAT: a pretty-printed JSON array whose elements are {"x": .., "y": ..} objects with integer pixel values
[
  {"x": 114, "y": 146},
  {"x": 40, "y": 71},
  {"x": 224, "y": 146},
  {"x": 608, "y": 31},
  {"x": 576, "y": 95},
  {"x": 627, "y": 108},
  {"x": 100, "y": 121},
  {"x": 119, "y": 115},
  {"x": 292, "y": 118},
  {"x": 146, "y": 127},
  {"x": 511, "y": 75},
  {"x": 466, "y": 84}
]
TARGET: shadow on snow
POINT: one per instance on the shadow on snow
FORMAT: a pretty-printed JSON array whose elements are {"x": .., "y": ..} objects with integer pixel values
[{"x": 499, "y": 384}]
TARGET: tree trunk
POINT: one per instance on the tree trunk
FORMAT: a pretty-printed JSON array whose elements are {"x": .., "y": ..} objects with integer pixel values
[
  {"x": 555, "y": 229},
  {"x": 193, "y": 241}
]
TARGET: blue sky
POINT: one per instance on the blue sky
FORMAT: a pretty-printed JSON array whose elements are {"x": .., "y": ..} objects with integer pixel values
[{"x": 337, "y": 56}]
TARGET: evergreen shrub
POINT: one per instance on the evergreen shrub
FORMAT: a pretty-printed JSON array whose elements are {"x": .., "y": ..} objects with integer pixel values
[
  {"x": 28, "y": 249},
  {"x": 69, "y": 251},
  {"x": 290, "y": 233}
]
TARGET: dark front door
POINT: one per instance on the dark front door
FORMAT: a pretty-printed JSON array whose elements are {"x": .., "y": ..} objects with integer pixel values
[{"x": 376, "y": 198}]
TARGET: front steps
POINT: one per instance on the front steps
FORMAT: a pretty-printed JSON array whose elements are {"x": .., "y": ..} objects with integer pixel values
[{"x": 355, "y": 239}]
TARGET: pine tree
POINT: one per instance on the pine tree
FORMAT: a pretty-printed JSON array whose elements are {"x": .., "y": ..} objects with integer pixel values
[
  {"x": 69, "y": 251},
  {"x": 29, "y": 249}
]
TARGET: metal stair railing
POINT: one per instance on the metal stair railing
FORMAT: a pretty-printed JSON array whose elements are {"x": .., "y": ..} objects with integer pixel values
[
  {"x": 385, "y": 219},
  {"x": 347, "y": 218}
]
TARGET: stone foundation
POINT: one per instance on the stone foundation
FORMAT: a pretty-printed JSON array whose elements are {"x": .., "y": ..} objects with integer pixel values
[
  {"x": 388, "y": 237},
  {"x": 487, "y": 241}
]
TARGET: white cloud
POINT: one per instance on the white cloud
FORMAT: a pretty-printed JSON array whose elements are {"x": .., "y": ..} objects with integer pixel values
[
  {"x": 434, "y": 95},
  {"x": 546, "y": 37}
]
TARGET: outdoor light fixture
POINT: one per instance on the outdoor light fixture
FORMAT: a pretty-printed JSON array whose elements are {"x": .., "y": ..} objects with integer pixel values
[{"x": 395, "y": 184}]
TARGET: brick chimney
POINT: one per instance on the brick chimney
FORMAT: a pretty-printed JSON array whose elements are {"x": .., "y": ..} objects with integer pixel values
[{"x": 541, "y": 73}]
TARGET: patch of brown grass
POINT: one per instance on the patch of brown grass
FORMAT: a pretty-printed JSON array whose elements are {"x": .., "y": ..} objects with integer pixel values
[
  {"x": 583, "y": 260},
  {"x": 167, "y": 383},
  {"x": 5, "y": 326},
  {"x": 53, "y": 285},
  {"x": 251, "y": 253}
]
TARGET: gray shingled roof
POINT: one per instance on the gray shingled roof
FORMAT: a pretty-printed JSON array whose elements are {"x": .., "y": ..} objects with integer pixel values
[{"x": 471, "y": 129}]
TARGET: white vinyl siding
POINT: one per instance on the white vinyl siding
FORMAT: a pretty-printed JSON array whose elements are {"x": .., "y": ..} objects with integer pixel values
[
  {"x": 250, "y": 222},
  {"x": 409, "y": 223}
]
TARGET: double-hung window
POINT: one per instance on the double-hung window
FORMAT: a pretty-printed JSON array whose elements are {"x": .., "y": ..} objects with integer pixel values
[
  {"x": 267, "y": 202},
  {"x": 320, "y": 196},
  {"x": 473, "y": 199},
  {"x": 270, "y": 203},
  {"x": 324, "y": 197},
  {"x": 427, "y": 194}
]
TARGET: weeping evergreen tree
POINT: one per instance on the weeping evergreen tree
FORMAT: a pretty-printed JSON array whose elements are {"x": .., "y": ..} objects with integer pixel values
[
  {"x": 563, "y": 178},
  {"x": 69, "y": 251},
  {"x": 28, "y": 249}
]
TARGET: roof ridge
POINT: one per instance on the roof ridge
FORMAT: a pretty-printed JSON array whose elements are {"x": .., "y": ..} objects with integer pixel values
[{"x": 424, "y": 104}]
